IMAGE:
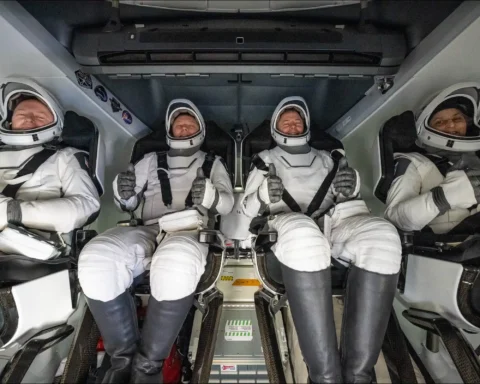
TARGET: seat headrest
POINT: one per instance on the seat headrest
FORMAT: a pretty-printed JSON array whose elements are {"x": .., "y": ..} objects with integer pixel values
[
  {"x": 322, "y": 140},
  {"x": 260, "y": 138},
  {"x": 81, "y": 133},
  {"x": 78, "y": 131},
  {"x": 216, "y": 140},
  {"x": 398, "y": 134},
  {"x": 153, "y": 142}
]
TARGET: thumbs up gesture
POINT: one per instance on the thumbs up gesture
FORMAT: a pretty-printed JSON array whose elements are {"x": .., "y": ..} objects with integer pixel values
[
  {"x": 199, "y": 187},
  {"x": 271, "y": 190},
  {"x": 126, "y": 183},
  {"x": 345, "y": 181}
]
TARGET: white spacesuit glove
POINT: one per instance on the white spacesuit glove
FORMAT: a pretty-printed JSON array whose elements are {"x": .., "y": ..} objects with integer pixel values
[
  {"x": 271, "y": 190},
  {"x": 203, "y": 191},
  {"x": 126, "y": 183},
  {"x": 346, "y": 179}
]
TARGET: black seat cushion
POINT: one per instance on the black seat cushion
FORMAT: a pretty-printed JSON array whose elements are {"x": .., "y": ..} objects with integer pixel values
[
  {"x": 15, "y": 269},
  {"x": 153, "y": 142},
  {"x": 80, "y": 132},
  {"x": 466, "y": 253},
  {"x": 323, "y": 141},
  {"x": 398, "y": 134},
  {"x": 475, "y": 296},
  {"x": 258, "y": 140}
]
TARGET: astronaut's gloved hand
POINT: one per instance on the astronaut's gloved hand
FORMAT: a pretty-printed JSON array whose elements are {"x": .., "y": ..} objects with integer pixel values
[
  {"x": 345, "y": 181},
  {"x": 126, "y": 183},
  {"x": 271, "y": 190},
  {"x": 474, "y": 178},
  {"x": 203, "y": 191}
]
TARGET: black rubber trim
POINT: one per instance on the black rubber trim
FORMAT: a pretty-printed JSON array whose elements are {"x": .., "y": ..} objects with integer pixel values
[
  {"x": 440, "y": 200},
  {"x": 207, "y": 341}
]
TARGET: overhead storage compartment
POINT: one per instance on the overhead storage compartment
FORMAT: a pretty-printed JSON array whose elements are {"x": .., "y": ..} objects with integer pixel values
[{"x": 239, "y": 46}]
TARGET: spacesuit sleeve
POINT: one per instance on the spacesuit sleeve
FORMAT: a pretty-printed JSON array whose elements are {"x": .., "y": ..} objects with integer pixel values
[
  {"x": 141, "y": 179},
  {"x": 79, "y": 201},
  {"x": 221, "y": 181},
  {"x": 407, "y": 207}
]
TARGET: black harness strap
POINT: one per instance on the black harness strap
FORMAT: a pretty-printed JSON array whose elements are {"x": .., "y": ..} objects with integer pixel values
[
  {"x": 322, "y": 191},
  {"x": 442, "y": 163},
  {"x": 32, "y": 165},
  {"x": 258, "y": 163},
  {"x": 287, "y": 198},
  {"x": 319, "y": 196},
  {"x": 18, "y": 366},
  {"x": 207, "y": 170},
  {"x": 290, "y": 201},
  {"x": 162, "y": 173}
]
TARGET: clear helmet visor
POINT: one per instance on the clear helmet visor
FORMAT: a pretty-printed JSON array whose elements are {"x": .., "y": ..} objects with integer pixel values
[
  {"x": 450, "y": 120},
  {"x": 179, "y": 107},
  {"x": 12, "y": 94},
  {"x": 298, "y": 104},
  {"x": 175, "y": 115},
  {"x": 292, "y": 122}
]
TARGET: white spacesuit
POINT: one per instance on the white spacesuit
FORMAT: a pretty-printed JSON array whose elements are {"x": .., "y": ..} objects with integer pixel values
[
  {"x": 111, "y": 261},
  {"x": 43, "y": 186},
  {"x": 303, "y": 182},
  {"x": 439, "y": 186}
]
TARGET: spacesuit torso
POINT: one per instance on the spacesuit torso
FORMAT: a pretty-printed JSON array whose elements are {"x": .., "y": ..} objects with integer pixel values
[
  {"x": 420, "y": 176},
  {"x": 182, "y": 171},
  {"x": 59, "y": 196},
  {"x": 302, "y": 176}
]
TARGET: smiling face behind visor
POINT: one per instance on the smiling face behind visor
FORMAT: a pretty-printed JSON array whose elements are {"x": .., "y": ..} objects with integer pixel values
[
  {"x": 450, "y": 120},
  {"x": 291, "y": 123}
]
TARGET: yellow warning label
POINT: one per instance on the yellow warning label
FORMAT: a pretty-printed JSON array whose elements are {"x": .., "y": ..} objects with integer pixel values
[
  {"x": 226, "y": 278},
  {"x": 247, "y": 282}
]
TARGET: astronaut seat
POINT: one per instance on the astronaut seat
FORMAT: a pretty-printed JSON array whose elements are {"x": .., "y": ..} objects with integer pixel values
[
  {"x": 38, "y": 297},
  {"x": 439, "y": 281},
  {"x": 268, "y": 266},
  {"x": 217, "y": 142}
]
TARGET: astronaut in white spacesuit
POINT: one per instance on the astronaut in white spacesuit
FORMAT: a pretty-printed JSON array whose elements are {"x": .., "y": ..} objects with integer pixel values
[
  {"x": 293, "y": 184},
  {"x": 167, "y": 182},
  {"x": 439, "y": 186},
  {"x": 44, "y": 185}
]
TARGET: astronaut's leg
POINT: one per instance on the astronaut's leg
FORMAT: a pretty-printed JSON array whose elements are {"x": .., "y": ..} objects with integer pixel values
[
  {"x": 372, "y": 246},
  {"x": 304, "y": 254},
  {"x": 176, "y": 269},
  {"x": 106, "y": 269}
]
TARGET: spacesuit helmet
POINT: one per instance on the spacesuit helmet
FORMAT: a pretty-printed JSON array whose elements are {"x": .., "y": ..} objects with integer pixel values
[
  {"x": 14, "y": 92},
  {"x": 179, "y": 107},
  {"x": 450, "y": 119},
  {"x": 298, "y": 104}
]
